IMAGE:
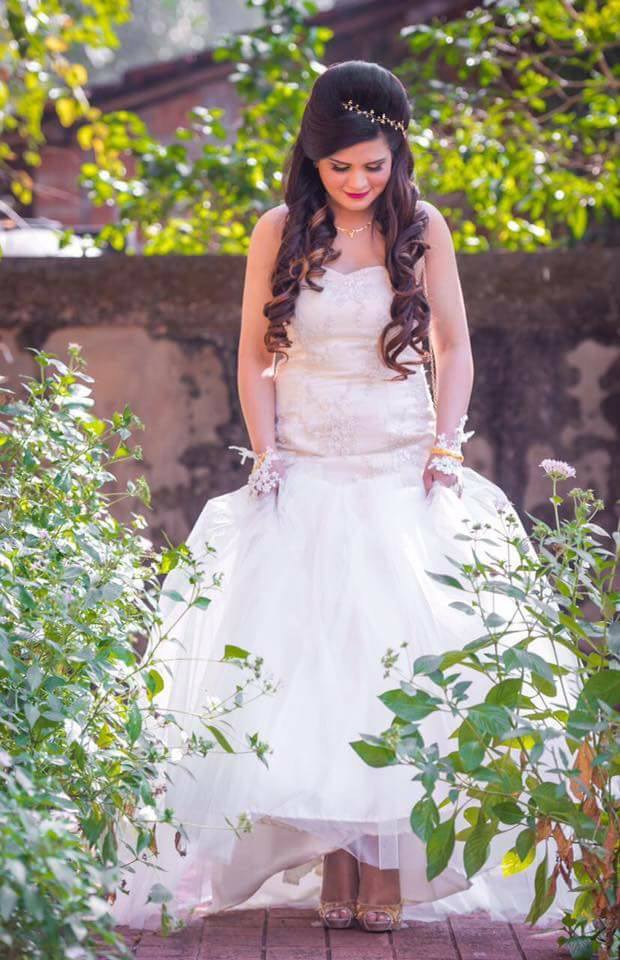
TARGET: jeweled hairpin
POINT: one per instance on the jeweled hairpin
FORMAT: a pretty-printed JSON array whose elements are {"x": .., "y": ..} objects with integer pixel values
[{"x": 375, "y": 117}]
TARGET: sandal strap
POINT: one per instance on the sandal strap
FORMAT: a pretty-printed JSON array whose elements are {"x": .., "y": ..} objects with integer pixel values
[{"x": 393, "y": 910}]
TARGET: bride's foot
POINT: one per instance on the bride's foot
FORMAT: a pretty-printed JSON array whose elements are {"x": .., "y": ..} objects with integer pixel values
[
  {"x": 339, "y": 889},
  {"x": 379, "y": 906}
]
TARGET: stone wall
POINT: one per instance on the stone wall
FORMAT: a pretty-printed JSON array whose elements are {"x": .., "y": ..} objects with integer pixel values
[{"x": 160, "y": 334}]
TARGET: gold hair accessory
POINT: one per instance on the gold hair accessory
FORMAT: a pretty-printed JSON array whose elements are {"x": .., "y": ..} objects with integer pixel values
[{"x": 375, "y": 117}]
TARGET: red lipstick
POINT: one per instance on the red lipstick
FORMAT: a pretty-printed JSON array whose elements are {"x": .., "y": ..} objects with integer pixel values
[{"x": 357, "y": 196}]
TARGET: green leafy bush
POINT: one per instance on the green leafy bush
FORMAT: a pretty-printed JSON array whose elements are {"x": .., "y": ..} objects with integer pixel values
[
  {"x": 82, "y": 743},
  {"x": 203, "y": 191},
  {"x": 515, "y": 111},
  {"x": 515, "y": 121},
  {"x": 540, "y": 755}
]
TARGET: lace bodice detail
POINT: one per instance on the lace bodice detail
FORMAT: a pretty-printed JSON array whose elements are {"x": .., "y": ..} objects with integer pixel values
[{"x": 335, "y": 398}]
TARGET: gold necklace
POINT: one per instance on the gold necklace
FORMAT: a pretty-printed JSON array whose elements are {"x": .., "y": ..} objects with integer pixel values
[{"x": 350, "y": 233}]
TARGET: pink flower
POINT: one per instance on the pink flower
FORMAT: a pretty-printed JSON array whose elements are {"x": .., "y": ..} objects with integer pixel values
[{"x": 557, "y": 469}]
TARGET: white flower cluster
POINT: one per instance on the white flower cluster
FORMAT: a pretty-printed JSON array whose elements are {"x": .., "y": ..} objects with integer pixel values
[
  {"x": 557, "y": 469},
  {"x": 262, "y": 478}
]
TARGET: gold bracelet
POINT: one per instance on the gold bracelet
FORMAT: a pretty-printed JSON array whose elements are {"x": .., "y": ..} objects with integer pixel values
[
  {"x": 447, "y": 453},
  {"x": 260, "y": 457}
]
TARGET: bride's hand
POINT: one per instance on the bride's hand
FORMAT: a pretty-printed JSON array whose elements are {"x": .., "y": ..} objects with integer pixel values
[
  {"x": 430, "y": 476},
  {"x": 277, "y": 466}
]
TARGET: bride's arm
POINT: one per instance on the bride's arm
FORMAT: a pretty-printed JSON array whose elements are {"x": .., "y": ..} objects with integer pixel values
[
  {"x": 449, "y": 332},
  {"x": 254, "y": 374}
]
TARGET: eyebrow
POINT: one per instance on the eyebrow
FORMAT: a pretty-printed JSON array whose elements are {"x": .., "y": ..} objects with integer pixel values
[{"x": 345, "y": 162}]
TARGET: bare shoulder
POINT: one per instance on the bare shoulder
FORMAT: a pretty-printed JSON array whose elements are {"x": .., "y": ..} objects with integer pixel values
[
  {"x": 436, "y": 219},
  {"x": 263, "y": 248},
  {"x": 270, "y": 224},
  {"x": 276, "y": 214},
  {"x": 265, "y": 240},
  {"x": 437, "y": 230}
]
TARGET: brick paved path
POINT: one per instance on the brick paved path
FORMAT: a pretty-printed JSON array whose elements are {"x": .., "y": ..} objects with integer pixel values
[{"x": 290, "y": 934}]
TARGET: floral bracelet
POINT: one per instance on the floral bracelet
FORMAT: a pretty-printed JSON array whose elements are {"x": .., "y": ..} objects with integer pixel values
[{"x": 262, "y": 477}]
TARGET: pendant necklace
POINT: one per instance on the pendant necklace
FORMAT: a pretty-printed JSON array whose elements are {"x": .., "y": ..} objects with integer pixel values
[{"x": 351, "y": 233}]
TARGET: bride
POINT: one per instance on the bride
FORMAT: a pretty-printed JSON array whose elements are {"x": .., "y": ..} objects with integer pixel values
[{"x": 357, "y": 487}]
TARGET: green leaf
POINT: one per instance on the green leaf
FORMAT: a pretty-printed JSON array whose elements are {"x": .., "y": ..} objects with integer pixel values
[
  {"x": 409, "y": 707},
  {"x": 373, "y": 756},
  {"x": 459, "y": 689},
  {"x": 32, "y": 714},
  {"x": 453, "y": 657},
  {"x": 108, "y": 848},
  {"x": 494, "y": 720},
  {"x": 201, "y": 602},
  {"x": 439, "y": 848},
  {"x": 542, "y": 897},
  {"x": 424, "y": 818},
  {"x": 173, "y": 595},
  {"x": 34, "y": 676},
  {"x": 517, "y": 657},
  {"x": 463, "y": 607},
  {"x": 221, "y": 739},
  {"x": 169, "y": 560},
  {"x": 580, "y": 948},
  {"x": 525, "y": 842},
  {"x": 133, "y": 725},
  {"x": 546, "y": 687},
  {"x": 511, "y": 777},
  {"x": 505, "y": 693},
  {"x": 146, "y": 794},
  {"x": 427, "y": 663},
  {"x": 154, "y": 683},
  {"x": 604, "y": 685},
  {"x": 553, "y": 801},
  {"x": 513, "y": 863},
  {"x": 445, "y": 579},
  {"x": 472, "y": 754},
  {"x": 93, "y": 826},
  {"x": 231, "y": 652},
  {"x": 493, "y": 620},
  {"x": 476, "y": 850},
  {"x": 508, "y": 812},
  {"x": 144, "y": 839}
]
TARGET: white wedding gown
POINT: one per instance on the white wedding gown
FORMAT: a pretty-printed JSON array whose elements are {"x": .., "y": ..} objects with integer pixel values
[{"x": 319, "y": 581}]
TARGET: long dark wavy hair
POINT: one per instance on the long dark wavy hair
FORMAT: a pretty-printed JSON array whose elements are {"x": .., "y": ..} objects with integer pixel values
[{"x": 309, "y": 229}]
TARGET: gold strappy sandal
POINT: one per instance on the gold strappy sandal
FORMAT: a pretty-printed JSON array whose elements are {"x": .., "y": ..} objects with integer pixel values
[
  {"x": 330, "y": 906},
  {"x": 394, "y": 913}
]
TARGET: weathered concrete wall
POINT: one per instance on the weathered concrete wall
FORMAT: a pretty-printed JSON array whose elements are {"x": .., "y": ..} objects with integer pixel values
[{"x": 161, "y": 333}]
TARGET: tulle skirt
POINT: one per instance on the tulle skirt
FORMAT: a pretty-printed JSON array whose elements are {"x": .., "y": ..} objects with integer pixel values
[{"x": 319, "y": 581}]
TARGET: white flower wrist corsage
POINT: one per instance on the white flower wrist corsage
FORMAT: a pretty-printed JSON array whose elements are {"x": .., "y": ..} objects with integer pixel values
[
  {"x": 446, "y": 453},
  {"x": 262, "y": 477}
]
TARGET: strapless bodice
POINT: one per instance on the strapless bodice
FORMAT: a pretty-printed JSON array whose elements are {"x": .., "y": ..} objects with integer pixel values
[{"x": 335, "y": 398}]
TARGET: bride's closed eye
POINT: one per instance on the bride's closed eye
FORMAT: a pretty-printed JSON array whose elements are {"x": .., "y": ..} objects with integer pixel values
[{"x": 344, "y": 169}]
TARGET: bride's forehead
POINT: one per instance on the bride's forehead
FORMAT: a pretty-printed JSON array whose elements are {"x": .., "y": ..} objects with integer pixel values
[{"x": 366, "y": 151}]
